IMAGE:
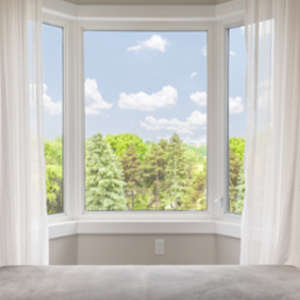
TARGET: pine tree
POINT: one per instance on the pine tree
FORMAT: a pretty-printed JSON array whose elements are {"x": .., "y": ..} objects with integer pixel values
[
  {"x": 132, "y": 174},
  {"x": 176, "y": 172},
  {"x": 155, "y": 172},
  {"x": 104, "y": 177}
]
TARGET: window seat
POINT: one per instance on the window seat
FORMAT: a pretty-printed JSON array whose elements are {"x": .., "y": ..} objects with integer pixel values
[{"x": 149, "y": 282}]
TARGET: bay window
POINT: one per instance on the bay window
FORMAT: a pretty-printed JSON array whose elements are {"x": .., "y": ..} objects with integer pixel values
[{"x": 150, "y": 127}]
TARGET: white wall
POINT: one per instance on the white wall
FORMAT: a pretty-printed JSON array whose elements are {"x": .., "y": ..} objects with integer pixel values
[
  {"x": 228, "y": 250},
  {"x": 63, "y": 251},
  {"x": 139, "y": 249}
]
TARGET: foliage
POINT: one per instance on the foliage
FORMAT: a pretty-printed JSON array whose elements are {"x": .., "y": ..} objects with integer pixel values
[
  {"x": 154, "y": 175},
  {"x": 119, "y": 143},
  {"x": 132, "y": 169},
  {"x": 54, "y": 175},
  {"x": 177, "y": 175},
  {"x": 124, "y": 172},
  {"x": 236, "y": 175},
  {"x": 104, "y": 177}
]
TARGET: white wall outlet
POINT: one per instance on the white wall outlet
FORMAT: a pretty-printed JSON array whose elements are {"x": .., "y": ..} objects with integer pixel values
[{"x": 159, "y": 247}]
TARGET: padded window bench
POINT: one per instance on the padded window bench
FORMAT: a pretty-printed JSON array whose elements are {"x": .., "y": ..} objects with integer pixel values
[{"x": 149, "y": 282}]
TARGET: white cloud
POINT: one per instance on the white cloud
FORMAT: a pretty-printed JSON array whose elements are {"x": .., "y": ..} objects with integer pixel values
[
  {"x": 193, "y": 75},
  {"x": 236, "y": 105},
  {"x": 196, "y": 141},
  {"x": 94, "y": 101},
  {"x": 195, "y": 120},
  {"x": 151, "y": 123},
  {"x": 155, "y": 42},
  {"x": 149, "y": 102},
  {"x": 199, "y": 98},
  {"x": 50, "y": 106}
]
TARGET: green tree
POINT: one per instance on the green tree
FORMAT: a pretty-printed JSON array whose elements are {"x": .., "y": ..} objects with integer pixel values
[
  {"x": 236, "y": 174},
  {"x": 119, "y": 143},
  {"x": 177, "y": 172},
  {"x": 54, "y": 175},
  {"x": 195, "y": 193},
  {"x": 104, "y": 177},
  {"x": 132, "y": 169},
  {"x": 123, "y": 171},
  {"x": 154, "y": 174}
]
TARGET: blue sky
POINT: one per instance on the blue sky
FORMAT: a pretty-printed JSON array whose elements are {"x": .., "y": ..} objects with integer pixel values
[
  {"x": 53, "y": 80},
  {"x": 236, "y": 88},
  {"x": 148, "y": 83}
]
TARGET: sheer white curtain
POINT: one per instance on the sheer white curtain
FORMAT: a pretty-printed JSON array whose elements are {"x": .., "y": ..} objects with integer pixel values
[
  {"x": 271, "y": 217},
  {"x": 23, "y": 219}
]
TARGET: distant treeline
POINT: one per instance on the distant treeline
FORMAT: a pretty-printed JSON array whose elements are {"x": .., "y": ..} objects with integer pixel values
[{"x": 123, "y": 172}]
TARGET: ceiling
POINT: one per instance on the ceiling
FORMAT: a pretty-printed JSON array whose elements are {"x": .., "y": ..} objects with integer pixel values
[{"x": 147, "y": 2}]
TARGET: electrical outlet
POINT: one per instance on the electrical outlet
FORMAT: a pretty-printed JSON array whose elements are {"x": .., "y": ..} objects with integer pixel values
[{"x": 159, "y": 247}]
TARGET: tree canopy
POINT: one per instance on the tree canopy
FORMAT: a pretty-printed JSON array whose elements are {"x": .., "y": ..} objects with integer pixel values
[{"x": 123, "y": 172}]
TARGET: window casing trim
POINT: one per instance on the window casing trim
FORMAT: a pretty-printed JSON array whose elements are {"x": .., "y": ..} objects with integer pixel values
[
  {"x": 234, "y": 23},
  {"x": 60, "y": 23},
  {"x": 150, "y": 214}
]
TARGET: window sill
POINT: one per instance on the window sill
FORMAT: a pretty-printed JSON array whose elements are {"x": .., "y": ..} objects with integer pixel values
[{"x": 68, "y": 228}]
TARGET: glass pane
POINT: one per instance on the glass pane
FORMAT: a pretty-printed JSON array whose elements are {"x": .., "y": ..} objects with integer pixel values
[
  {"x": 237, "y": 119},
  {"x": 145, "y": 108},
  {"x": 53, "y": 115}
]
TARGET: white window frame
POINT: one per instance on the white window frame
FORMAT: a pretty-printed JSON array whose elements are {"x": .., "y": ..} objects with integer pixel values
[
  {"x": 142, "y": 215},
  {"x": 55, "y": 21},
  {"x": 74, "y": 20},
  {"x": 232, "y": 23}
]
